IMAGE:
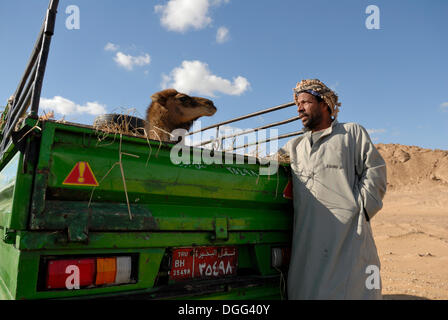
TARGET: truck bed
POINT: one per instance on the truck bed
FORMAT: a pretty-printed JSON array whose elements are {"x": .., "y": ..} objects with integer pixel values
[{"x": 77, "y": 192}]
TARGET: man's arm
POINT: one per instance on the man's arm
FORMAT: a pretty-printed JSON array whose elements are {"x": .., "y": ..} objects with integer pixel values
[
  {"x": 284, "y": 153},
  {"x": 371, "y": 171}
]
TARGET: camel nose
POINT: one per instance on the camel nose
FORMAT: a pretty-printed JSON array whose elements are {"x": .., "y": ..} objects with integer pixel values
[
  {"x": 211, "y": 104},
  {"x": 213, "y": 110}
]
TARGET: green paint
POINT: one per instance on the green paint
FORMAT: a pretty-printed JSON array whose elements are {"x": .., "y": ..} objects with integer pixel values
[{"x": 170, "y": 206}]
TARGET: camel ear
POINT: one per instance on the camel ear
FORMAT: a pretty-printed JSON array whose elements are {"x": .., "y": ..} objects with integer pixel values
[{"x": 159, "y": 99}]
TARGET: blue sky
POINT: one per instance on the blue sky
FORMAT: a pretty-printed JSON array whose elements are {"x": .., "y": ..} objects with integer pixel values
[{"x": 392, "y": 80}]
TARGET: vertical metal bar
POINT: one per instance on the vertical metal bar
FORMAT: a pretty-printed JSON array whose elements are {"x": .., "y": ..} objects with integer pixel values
[
  {"x": 31, "y": 63},
  {"x": 217, "y": 137},
  {"x": 32, "y": 78},
  {"x": 46, "y": 41},
  {"x": 21, "y": 103},
  {"x": 256, "y": 145}
]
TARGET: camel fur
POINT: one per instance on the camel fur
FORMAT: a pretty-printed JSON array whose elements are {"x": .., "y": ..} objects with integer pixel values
[{"x": 172, "y": 110}]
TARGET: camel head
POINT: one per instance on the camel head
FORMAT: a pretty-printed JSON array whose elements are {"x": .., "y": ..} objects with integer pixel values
[{"x": 172, "y": 110}]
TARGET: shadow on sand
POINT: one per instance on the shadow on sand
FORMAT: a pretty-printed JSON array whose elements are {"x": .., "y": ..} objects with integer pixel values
[{"x": 402, "y": 297}]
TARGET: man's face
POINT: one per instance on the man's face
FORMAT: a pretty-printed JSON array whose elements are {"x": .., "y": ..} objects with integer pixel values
[{"x": 310, "y": 111}]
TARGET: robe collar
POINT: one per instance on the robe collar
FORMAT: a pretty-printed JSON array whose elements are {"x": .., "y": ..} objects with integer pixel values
[{"x": 326, "y": 132}]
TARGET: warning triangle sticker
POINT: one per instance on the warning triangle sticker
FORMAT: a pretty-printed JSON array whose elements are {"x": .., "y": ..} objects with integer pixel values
[{"x": 81, "y": 175}]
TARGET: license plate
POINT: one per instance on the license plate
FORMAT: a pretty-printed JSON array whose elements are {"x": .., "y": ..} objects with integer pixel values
[{"x": 203, "y": 262}]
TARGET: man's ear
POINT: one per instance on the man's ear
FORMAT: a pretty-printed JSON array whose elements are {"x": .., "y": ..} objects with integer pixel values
[{"x": 325, "y": 106}]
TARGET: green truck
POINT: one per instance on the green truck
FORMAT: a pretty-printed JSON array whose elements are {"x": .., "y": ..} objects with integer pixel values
[{"x": 84, "y": 214}]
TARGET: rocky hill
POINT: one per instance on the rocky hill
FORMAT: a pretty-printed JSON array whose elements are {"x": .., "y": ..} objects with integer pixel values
[{"x": 410, "y": 167}]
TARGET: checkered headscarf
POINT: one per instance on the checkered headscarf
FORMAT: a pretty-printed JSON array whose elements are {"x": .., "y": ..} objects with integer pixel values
[{"x": 318, "y": 88}]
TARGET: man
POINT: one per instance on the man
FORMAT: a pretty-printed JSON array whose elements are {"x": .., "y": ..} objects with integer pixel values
[{"x": 339, "y": 181}]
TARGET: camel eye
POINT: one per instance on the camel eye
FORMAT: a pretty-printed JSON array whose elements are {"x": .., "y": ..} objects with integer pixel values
[{"x": 184, "y": 98}]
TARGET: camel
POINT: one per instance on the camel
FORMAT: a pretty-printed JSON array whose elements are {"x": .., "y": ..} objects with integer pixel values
[{"x": 172, "y": 110}]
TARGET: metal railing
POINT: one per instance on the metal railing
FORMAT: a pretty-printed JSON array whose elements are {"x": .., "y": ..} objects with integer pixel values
[
  {"x": 219, "y": 140},
  {"x": 30, "y": 86},
  {"x": 29, "y": 90}
]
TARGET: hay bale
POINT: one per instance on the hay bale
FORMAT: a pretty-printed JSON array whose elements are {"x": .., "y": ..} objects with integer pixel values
[{"x": 121, "y": 124}]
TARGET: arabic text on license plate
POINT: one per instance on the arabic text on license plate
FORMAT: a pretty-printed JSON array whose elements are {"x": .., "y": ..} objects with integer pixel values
[{"x": 203, "y": 262}]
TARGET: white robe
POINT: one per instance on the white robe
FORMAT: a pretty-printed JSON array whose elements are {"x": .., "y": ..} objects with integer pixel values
[{"x": 336, "y": 182}]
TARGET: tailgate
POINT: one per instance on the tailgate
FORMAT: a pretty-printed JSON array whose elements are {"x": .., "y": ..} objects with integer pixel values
[{"x": 81, "y": 185}]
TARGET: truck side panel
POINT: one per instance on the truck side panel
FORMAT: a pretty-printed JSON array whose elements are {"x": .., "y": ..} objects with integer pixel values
[{"x": 144, "y": 207}]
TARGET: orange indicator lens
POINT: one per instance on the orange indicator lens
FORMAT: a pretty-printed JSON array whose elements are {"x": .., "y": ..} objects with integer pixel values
[{"x": 106, "y": 269}]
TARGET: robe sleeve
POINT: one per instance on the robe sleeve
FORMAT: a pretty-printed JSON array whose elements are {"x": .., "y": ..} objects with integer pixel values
[
  {"x": 284, "y": 153},
  {"x": 371, "y": 172}
]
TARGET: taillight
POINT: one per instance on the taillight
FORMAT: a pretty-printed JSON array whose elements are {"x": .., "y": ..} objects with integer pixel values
[
  {"x": 90, "y": 272},
  {"x": 280, "y": 257},
  {"x": 106, "y": 269},
  {"x": 124, "y": 269},
  {"x": 70, "y": 274}
]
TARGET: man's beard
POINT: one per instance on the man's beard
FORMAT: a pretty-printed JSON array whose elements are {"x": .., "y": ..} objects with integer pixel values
[{"x": 313, "y": 122}]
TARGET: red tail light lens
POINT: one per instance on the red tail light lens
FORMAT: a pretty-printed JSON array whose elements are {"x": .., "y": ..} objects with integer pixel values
[
  {"x": 70, "y": 274},
  {"x": 75, "y": 274}
]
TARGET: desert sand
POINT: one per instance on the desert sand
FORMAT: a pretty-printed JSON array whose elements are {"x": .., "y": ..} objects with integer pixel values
[{"x": 411, "y": 231}]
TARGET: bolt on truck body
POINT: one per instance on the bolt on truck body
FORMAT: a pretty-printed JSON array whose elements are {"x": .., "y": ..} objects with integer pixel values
[{"x": 83, "y": 217}]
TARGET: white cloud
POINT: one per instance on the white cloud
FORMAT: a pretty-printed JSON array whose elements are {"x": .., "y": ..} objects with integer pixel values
[
  {"x": 129, "y": 62},
  {"x": 222, "y": 35},
  {"x": 181, "y": 15},
  {"x": 376, "y": 131},
  {"x": 111, "y": 47},
  {"x": 165, "y": 81},
  {"x": 67, "y": 107},
  {"x": 444, "y": 106},
  {"x": 195, "y": 76}
]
